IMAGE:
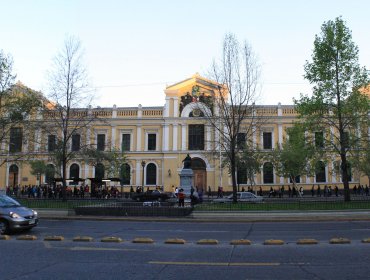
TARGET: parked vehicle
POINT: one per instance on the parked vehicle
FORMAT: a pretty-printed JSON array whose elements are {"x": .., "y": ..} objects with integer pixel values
[
  {"x": 241, "y": 197},
  {"x": 14, "y": 216},
  {"x": 150, "y": 196}
]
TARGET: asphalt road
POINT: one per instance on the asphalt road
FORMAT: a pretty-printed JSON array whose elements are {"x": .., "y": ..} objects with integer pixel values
[{"x": 67, "y": 259}]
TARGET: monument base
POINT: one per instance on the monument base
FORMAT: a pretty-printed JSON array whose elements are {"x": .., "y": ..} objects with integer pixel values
[{"x": 186, "y": 181}]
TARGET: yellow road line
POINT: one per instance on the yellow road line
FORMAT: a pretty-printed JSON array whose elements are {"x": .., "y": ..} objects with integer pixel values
[{"x": 217, "y": 263}]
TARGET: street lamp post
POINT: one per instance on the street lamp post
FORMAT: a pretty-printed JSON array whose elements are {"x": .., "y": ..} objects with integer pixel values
[{"x": 142, "y": 181}]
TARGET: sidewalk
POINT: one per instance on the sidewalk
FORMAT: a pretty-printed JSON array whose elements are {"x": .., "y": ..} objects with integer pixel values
[{"x": 225, "y": 216}]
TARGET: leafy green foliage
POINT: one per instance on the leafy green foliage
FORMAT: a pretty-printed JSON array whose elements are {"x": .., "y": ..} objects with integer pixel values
[
  {"x": 295, "y": 156},
  {"x": 336, "y": 105},
  {"x": 17, "y": 104}
]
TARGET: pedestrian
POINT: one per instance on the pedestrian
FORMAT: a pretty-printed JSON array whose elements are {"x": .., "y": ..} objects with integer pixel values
[
  {"x": 318, "y": 190},
  {"x": 181, "y": 197},
  {"x": 336, "y": 190},
  {"x": 313, "y": 190},
  {"x": 209, "y": 192}
]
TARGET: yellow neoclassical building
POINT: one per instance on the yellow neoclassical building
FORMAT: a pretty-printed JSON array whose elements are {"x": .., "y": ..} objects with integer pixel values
[{"x": 155, "y": 140}]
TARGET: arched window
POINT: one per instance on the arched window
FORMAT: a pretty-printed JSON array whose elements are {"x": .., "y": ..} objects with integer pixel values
[
  {"x": 13, "y": 168},
  {"x": 151, "y": 174},
  {"x": 268, "y": 173},
  {"x": 320, "y": 172},
  {"x": 74, "y": 171},
  {"x": 13, "y": 175},
  {"x": 99, "y": 171},
  {"x": 49, "y": 174},
  {"x": 125, "y": 174}
]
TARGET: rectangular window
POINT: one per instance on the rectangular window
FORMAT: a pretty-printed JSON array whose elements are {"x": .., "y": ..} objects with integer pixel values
[
  {"x": 196, "y": 137},
  {"x": 51, "y": 143},
  {"x": 319, "y": 139},
  {"x": 76, "y": 139},
  {"x": 100, "y": 145},
  {"x": 15, "y": 144},
  {"x": 152, "y": 142},
  {"x": 126, "y": 139},
  {"x": 240, "y": 140},
  {"x": 267, "y": 140}
]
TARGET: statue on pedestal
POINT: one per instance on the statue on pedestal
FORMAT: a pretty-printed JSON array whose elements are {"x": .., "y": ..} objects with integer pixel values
[
  {"x": 187, "y": 162},
  {"x": 186, "y": 176}
]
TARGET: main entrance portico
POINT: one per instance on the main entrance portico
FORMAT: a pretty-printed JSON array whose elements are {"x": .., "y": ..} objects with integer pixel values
[{"x": 200, "y": 175}]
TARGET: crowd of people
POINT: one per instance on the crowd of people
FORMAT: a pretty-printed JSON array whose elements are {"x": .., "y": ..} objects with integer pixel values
[
  {"x": 56, "y": 191},
  {"x": 196, "y": 195}
]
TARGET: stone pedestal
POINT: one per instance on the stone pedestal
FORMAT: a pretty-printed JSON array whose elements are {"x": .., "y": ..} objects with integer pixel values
[{"x": 186, "y": 180}]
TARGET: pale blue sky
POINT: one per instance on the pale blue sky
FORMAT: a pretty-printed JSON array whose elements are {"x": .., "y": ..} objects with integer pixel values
[{"x": 133, "y": 49}]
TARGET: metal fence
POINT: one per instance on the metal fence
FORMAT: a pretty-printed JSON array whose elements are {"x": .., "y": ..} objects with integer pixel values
[{"x": 129, "y": 207}]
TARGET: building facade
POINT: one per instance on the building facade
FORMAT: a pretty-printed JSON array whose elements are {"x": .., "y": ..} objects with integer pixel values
[{"x": 155, "y": 140}]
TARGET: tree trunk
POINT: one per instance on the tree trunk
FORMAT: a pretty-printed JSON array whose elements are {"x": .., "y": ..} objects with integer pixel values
[
  {"x": 233, "y": 178},
  {"x": 344, "y": 167},
  {"x": 64, "y": 185}
]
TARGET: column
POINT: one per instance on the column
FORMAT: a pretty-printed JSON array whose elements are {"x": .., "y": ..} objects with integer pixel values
[
  {"x": 174, "y": 139},
  {"x": 138, "y": 138},
  {"x": 88, "y": 135},
  {"x": 333, "y": 174},
  {"x": 37, "y": 140},
  {"x": 280, "y": 132},
  {"x": 7, "y": 174},
  {"x": 167, "y": 108},
  {"x": 113, "y": 140},
  {"x": 175, "y": 107},
  {"x": 86, "y": 170},
  {"x": 138, "y": 173},
  {"x": 183, "y": 137},
  {"x": 208, "y": 137},
  {"x": 254, "y": 136},
  {"x": 114, "y": 112},
  {"x": 165, "y": 137}
]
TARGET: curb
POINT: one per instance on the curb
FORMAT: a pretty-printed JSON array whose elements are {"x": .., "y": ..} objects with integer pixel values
[{"x": 224, "y": 217}]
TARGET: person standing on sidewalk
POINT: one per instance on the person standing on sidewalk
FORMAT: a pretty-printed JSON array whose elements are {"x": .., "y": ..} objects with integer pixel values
[{"x": 181, "y": 197}]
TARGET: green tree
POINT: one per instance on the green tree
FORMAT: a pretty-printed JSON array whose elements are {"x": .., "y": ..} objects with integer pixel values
[
  {"x": 336, "y": 106},
  {"x": 112, "y": 160},
  {"x": 296, "y": 155},
  {"x": 249, "y": 164},
  {"x": 17, "y": 106},
  {"x": 39, "y": 167}
]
